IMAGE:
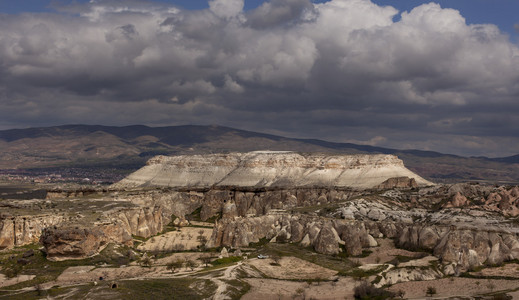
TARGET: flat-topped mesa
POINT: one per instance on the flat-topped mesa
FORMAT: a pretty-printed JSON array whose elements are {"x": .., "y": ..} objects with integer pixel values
[{"x": 269, "y": 169}]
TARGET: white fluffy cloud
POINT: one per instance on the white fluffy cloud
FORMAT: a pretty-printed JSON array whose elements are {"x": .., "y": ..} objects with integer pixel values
[
  {"x": 226, "y": 8},
  {"x": 335, "y": 65}
]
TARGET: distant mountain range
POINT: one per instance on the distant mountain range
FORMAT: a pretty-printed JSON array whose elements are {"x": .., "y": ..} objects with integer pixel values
[{"x": 130, "y": 147}]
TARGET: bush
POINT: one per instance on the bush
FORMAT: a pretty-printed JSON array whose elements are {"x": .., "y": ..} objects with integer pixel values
[
  {"x": 368, "y": 291},
  {"x": 430, "y": 291}
]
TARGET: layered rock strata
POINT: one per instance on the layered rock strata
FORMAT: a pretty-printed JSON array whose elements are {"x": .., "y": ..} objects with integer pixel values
[{"x": 269, "y": 169}]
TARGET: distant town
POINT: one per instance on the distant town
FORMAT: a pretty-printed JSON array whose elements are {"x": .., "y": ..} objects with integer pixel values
[{"x": 84, "y": 176}]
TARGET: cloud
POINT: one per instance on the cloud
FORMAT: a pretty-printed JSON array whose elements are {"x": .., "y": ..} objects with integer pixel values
[
  {"x": 226, "y": 8},
  {"x": 290, "y": 67},
  {"x": 280, "y": 13}
]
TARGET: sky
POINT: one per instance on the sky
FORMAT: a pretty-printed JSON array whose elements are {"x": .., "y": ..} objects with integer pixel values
[{"x": 440, "y": 76}]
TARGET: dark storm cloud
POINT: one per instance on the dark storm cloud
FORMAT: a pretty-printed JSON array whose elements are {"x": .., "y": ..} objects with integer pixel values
[
  {"x": 280, "y": 13},
  {"x": 341, "y": 70}
]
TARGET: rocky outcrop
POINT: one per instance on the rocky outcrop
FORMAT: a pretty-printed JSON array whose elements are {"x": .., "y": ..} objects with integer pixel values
[
  {"x": 398, "y": 182},
  {"x": 117, "y": 226},
  {"x": 270, "y": 169},
  {"x": 143, "y": 222},
  {"x": 466, "y": 248},
  {"x": 458, "y": 200},
  {"x": 327, "y": 241},
  {"x": 234, "y": 202},
  {"x": 504, "y": 200},
  {"x": 397, "y": 275},
  {"x": 23, "y": 230},
  {"x": 323, "y": 235},
  {"x": 77, "y": 243}
]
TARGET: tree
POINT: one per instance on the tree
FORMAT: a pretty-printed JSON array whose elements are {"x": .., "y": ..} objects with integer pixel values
[
  {"x": 203, "y": 240},
  {"x": 430, "y": 291},
  {"x": 301, "y": 293},
  {"x": 191, "y": 264},
  {"x": 206, "y": 259},
  {"x": 146, "y": 260},
  {"x": 177, "y": 264},
  {"x": 276, "y": 258}
]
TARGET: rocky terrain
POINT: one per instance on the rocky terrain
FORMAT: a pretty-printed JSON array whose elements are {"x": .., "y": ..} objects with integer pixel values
[{"x": 336, "y": 220}]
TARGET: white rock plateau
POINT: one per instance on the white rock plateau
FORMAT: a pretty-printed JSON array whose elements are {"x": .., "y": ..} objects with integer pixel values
[{"x": 269, "y": 169}]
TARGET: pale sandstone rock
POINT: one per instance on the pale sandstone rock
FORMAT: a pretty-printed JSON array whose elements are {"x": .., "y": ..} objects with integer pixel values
[
  {"x": 23, "y": 230},
  {"x": 326, "y": 241},
  {"x": 305, "y": 242},
  {"x": 266, "y": 168},
  {"x": 78, "y": 243},
  {"x": 466, "y": 248},
  {"x": 347, "y": 214},
  {"x": 397, "y": 275},
  {"x": 372, "y": 241},
  {"x": 458, "y": 200},
  {"x": 224, "y": 253}
]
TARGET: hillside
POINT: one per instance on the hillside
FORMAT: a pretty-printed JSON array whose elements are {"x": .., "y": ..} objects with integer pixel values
[{"x": 130, "y": 147}]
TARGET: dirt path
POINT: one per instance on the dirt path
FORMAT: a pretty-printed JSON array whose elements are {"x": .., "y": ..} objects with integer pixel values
[{"x": 222, "y": 286}]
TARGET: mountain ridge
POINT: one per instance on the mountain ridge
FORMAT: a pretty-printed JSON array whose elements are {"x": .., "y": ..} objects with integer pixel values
[{"x": 78, "y": 144}]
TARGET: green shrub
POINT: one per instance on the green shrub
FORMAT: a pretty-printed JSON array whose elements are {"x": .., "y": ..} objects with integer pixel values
[{"x": 226, "y": 260}]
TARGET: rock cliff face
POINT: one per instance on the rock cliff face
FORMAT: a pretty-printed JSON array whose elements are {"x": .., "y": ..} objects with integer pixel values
[
  {"x": 269, "y": 169},
  {"x": 22, "y": 230},
  {"x": 77, "y": 243}
]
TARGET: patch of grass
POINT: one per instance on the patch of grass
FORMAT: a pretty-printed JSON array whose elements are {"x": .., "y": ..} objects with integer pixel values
[
  {"x": 194, "y": 216},
  {"x": 139, "y": 238},
  {"x": 236, "y": 288},
  {"x": 213, "y": 219},
  {"x": 261, "y": 242},
  {"x": 365, "y": 253},
  {"x": 226, "y": 260},
  {"x": 177, "y": 288},
  {"x": 287, "y": 249}
]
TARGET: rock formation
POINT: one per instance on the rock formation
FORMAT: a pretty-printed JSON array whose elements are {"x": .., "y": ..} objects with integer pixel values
[
  {"x": 65, "y": 243},
  {"x": 398, "y": 182},
  {"x": 325, "y": 236},
  {"x": 23, "y": 230},
  {"x": 270, "y": 169}
]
